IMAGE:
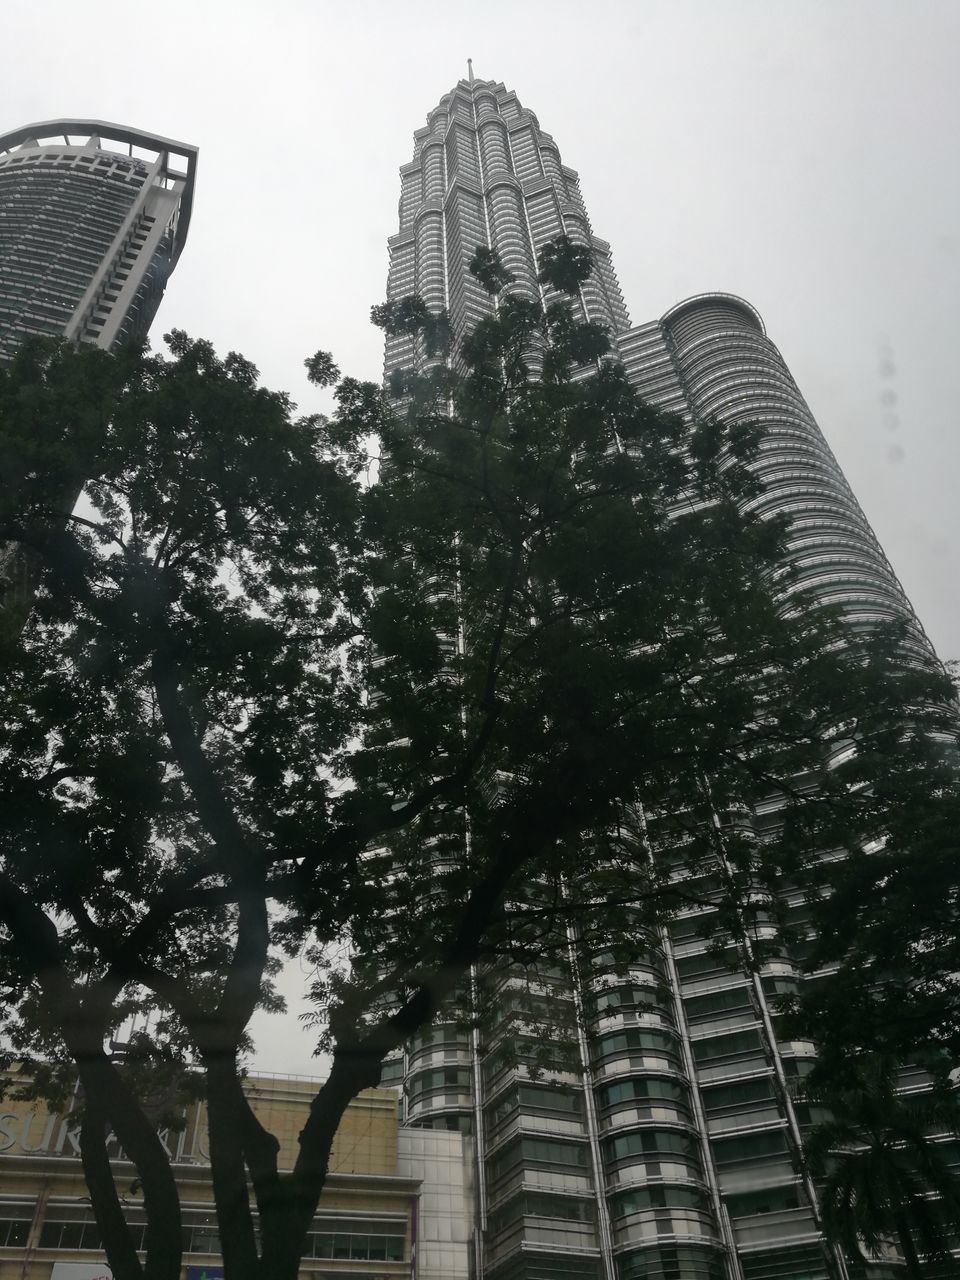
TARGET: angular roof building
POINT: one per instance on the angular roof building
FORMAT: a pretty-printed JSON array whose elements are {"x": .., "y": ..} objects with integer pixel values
[
  {"x": 93, "y": 217},
  {"x": 674, "y": 1154}
]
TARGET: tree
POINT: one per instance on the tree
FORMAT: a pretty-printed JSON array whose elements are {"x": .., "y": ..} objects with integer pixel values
[
  {"x": 885, "y": 920},
  {"x": 54, "y": 415},
  {"x": 883, "y": 995},
  {"x": 260, "y": 705},
  {"x": 882, "y": 1177}
]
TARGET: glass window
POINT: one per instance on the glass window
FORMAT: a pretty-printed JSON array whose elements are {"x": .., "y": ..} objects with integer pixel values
[
  {"x": 749, "y": 1147},
  {"x": 690, "y": 1263},
  {"x": 439, "y": 1078},
  {"x": 717, "y": 1002},
  {"x": 50, "y": 1235},
  {"x": 804, "y": 1262},
  {"x": 568, "y": 1208},
  {"x": 648, "y": 1142},
  {"x": 618, "y": 1041},
  {"x": 14, "y": 1231},
  {"x": 322, "y": 1245},
  {"x": 547, "y": 1152},
  {"x": 771, "y": 1200},
  {"x": 359, "y": 1246},
  {"x": 551, "y": 1099},
  {"x": 619, "y": 997},
  {"x": 662, "y": 1197},
  {"x": 739, "y": 1095},
  {"x": 538, "y": 1151},
  {"x": 723, "y": 1046},
  {"x": 71, "y": 1235},
  {"x": 391, "y": 1071},
  {"x": 204, "y": 1238},
  {"x": 650, "y": 1087},
  {"x": 79, "y": 1233},
  {"x": 704, "y": 962},
  {"x": 91, "y": 1236}
]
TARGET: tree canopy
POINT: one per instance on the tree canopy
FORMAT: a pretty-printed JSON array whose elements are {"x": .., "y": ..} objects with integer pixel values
[
  {"x": 263, "y": 706},
  {"x": 882, "y": 1177}
]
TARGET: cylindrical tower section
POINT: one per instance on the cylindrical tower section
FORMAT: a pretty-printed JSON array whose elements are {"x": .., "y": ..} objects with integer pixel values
[
  {"x": 540, "y": 1167},
  {"x": 411, "y": 195},
  {"x": 508, "y": 231},
  {"x": 437, "y": 1091},
  {"x": 731, "y": 370},
  {"x": 429, "y": 280},
  {"x": 430, "y": 275},
  {"x": 431, "y": 161},
  {"x": 657, "y": 1194},
  {"x": 494, "y": 148},
  {"x": 485, "y": 104},
  {"x": 400, "y": 348}
]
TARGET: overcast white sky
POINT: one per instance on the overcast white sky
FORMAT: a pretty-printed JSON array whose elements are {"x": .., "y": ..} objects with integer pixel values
[{"x": 800, "y": 153}]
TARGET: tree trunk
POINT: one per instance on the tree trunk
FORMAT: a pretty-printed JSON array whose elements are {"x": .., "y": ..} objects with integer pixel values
[
  {"x": 285, "y": 1222},
  {"x": 114, "y": 1232},
  {"x": 282, "y": 1231},
  {"x": 357, "y": 1062},
  {"x": 238, "y": 1244},
  {"x": 109, "y": 1096},
  {"x": 904, "y": 1236},
  {"x": 83, "y": 1033}
]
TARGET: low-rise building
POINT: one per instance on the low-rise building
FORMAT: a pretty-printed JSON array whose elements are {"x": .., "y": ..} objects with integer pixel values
[{"x": 396, "y": 1202}]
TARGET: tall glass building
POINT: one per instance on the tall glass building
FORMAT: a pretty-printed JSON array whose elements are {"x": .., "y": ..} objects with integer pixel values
[
  {"x": 93, "y": 217},
  {"x": 673, "y": 1152}
]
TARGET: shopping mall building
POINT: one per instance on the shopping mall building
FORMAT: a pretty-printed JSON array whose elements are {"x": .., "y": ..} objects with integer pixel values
[{"x": 396, "y": 1201}]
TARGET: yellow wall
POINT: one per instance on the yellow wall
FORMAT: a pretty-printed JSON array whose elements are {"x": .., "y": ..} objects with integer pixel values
[
  {"x": 366, "y": 1141},
  {"x": 40, "y": 1169}
]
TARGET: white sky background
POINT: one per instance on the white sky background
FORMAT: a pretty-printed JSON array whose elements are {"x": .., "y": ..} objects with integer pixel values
[{"x": 799, "y": 153}]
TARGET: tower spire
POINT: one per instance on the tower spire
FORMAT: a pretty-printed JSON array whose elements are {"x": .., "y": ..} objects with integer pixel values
[{"x": 470, "y": 70}]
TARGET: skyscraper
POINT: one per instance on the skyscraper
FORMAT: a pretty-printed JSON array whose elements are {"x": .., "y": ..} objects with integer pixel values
[
  {"x": 93, "y": 217},
  {"x": 674, "y": 1153}
]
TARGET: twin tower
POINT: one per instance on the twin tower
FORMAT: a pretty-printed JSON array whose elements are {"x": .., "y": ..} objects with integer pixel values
[{"x": 674, "y": 1153}]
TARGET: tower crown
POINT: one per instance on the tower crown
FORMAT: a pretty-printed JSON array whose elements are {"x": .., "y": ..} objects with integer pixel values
[{"x": 484, "y": 173}]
